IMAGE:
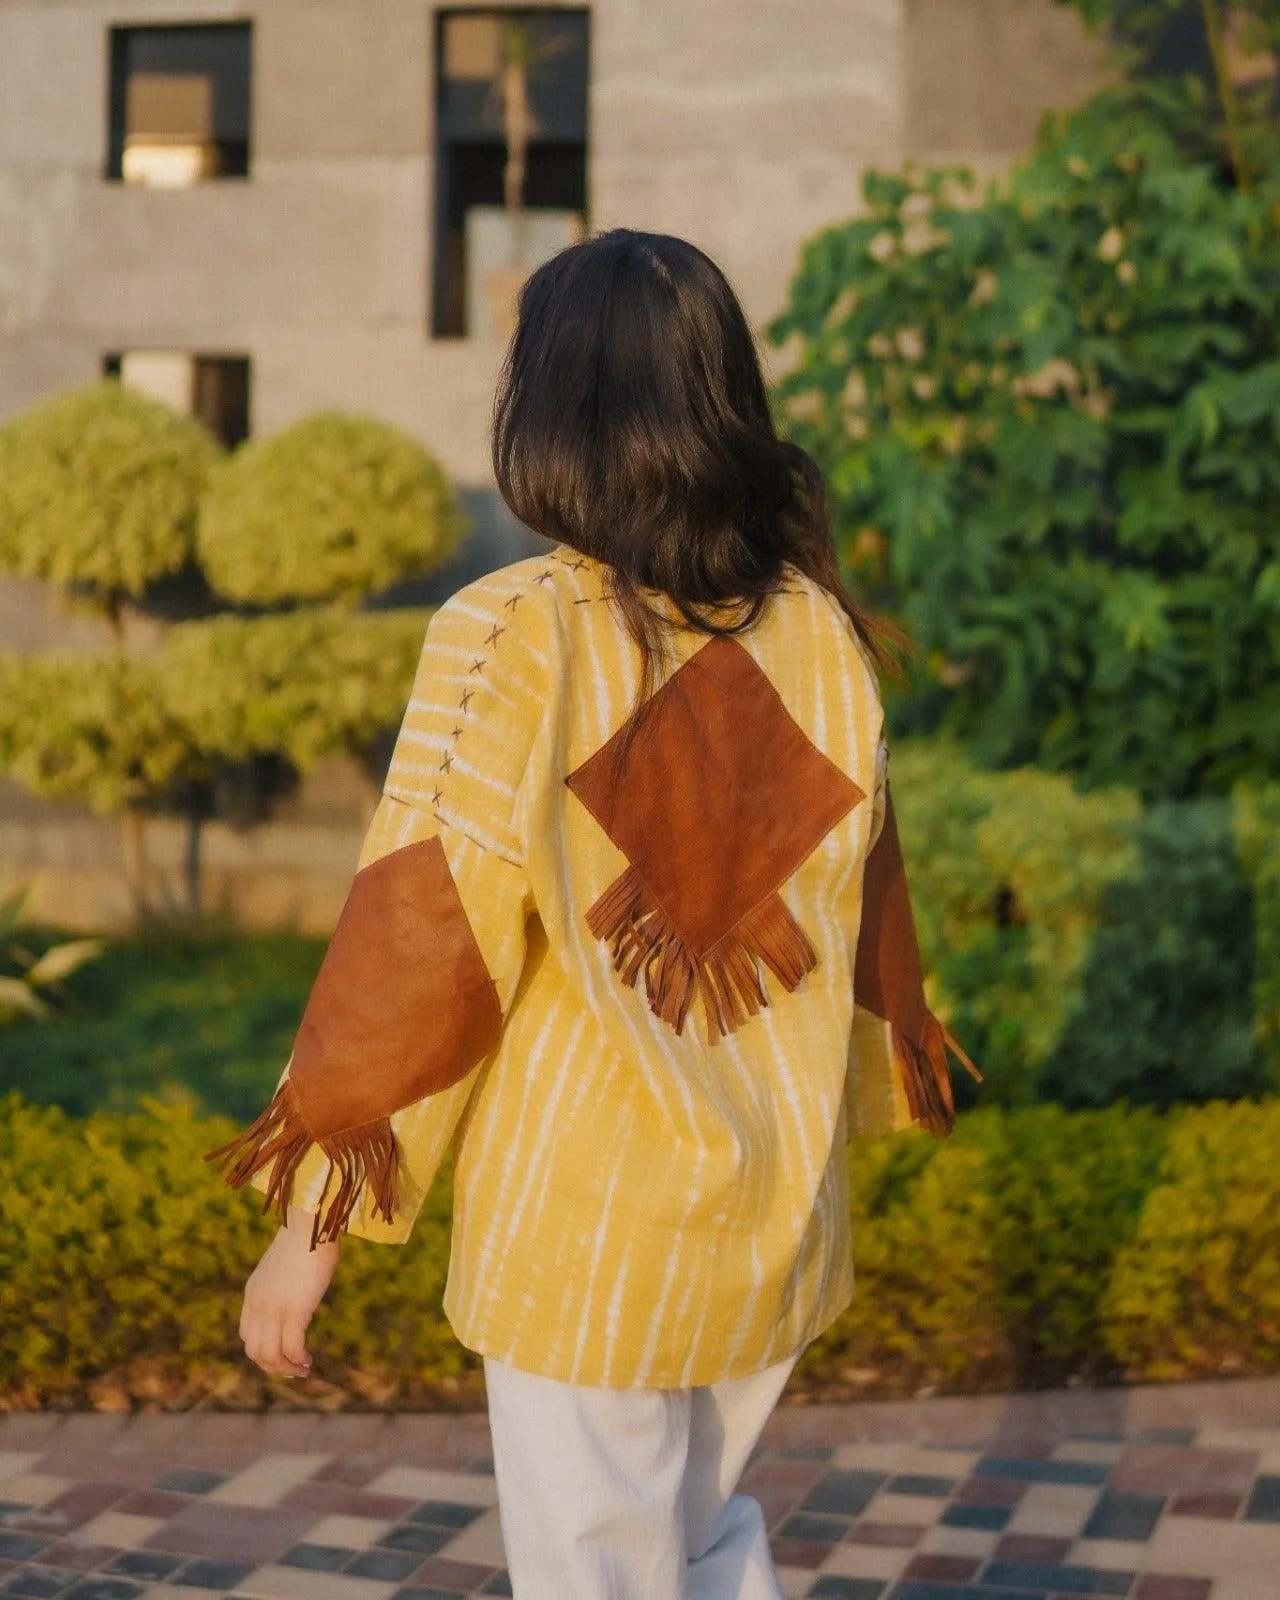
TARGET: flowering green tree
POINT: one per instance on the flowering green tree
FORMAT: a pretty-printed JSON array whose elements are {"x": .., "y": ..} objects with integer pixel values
[
  {"x": 1048, "y": 412},
  {"x": 1239, "y": 40}
]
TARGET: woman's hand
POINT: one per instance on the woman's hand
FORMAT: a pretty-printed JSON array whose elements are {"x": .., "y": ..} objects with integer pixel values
[{"x": 281, "y": 1296}]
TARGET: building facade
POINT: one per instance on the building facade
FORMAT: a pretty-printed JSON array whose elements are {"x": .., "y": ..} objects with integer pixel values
[{"x": 266, "y": 202}]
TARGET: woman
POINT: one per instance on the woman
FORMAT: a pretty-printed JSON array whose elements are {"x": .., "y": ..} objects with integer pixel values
[{"x": 630, "y": 933}]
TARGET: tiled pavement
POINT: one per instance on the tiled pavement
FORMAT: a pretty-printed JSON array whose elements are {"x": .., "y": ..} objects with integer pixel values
[{"x": 1154, "y": 1494}]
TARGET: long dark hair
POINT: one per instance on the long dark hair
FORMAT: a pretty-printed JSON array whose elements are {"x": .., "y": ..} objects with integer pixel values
[{"x": 631, "y": 423}]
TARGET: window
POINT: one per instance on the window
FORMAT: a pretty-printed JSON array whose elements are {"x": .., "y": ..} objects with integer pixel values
[
  {"x": 213, "y": 388},
  {"x": 511, "y": 173},
  {"x": 179, "y": 99},
  {"x": 1178, "y": 44}
]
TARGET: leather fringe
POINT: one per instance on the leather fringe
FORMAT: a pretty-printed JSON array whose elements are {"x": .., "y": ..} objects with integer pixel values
[
  {"x": 727, "y": 977},
  {"x": 279, "y": 1138},
  {"x": 926, "y": 1076}
]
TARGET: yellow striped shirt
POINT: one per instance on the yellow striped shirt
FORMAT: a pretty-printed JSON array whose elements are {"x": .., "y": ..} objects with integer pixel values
[{"x": 633, "y": 1207}]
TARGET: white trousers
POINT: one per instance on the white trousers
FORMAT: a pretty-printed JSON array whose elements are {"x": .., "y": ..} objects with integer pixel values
[{"x": 628, "y": 1494}]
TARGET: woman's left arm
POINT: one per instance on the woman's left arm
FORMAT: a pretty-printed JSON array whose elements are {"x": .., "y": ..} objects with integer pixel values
[
  {"x": 422, "y": 968},
  {"x": 281, "y": 1297}
]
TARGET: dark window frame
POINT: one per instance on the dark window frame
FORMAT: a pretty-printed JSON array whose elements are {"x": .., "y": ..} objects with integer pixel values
[
  {"x": 558, "y": 170},
  {"x": 236, "y": 152},
  {"x": 236, "y": 425}
]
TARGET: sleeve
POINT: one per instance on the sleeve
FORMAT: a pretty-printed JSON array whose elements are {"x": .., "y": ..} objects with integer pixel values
[
  {"x": 428, "y": 951},
  {"x": 874, "y": 1099},
  {"x": 898, "y": 1074}
]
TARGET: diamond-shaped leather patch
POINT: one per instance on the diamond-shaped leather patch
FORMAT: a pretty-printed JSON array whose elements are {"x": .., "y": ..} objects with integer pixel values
[{"x": 715, "y": 802}]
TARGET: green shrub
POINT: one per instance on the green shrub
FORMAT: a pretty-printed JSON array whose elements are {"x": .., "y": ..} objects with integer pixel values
[
  {"x": 926, "y": 1309},
  {"x": 1196, "y": 1291},
  {"x": 123, "y": 1259},
  {"x": 1257, "y": 825},
  {"x": 1165, "y": 1012},
  {"x": 1071, "y": 1189},
  {"x": 1086, "y": 951},
  {"x": 1237, "y": 43},
  {"x": 1008, "y": 873},
  {"x": 334, "y": 507},
  {"x": 1033, "y": 1247},
  {"x": 983, "y": 1262},
  {"x": 99, "y": 490}
]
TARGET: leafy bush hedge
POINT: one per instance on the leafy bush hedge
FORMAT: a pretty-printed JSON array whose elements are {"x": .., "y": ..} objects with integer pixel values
[
  {"x": 1087, "y": 951},
  {"x": 1196, "y": 1288},
  {"x": 122, "y": 1257},
  {"x": 1032, "y": 1247}
]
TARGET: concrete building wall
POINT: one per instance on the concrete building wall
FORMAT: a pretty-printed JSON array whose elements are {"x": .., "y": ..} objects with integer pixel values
[{"x": 978, "y": 76}]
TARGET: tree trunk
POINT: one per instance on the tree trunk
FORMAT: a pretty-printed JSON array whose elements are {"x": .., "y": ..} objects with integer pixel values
[
  {"x": 195, "y": 837},
  {"x": 1226, "y": 93},
  {"x": 133, "y": 825}
]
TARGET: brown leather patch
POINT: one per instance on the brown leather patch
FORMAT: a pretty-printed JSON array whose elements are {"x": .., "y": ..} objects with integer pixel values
[
  {"x": 403, "y": 1005},
  {"x": 720, "y": 797},
  {"x": 887, "y": 976}
]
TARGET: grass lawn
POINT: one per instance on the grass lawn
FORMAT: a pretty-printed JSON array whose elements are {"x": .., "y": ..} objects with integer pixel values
[{"x": 210, "y": 1018}]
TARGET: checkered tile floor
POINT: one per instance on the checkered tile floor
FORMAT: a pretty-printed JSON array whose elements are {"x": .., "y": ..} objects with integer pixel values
[{"x": 1156, "y": 1494}]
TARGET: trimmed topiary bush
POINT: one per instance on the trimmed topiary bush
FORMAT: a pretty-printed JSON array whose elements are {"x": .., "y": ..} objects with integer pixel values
[
  {"x": 333, "y": 508},
  {"x": 303, "y": 684},
  {"x": 99, "y": 491},
  {"x": 91, "y": 728}
]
